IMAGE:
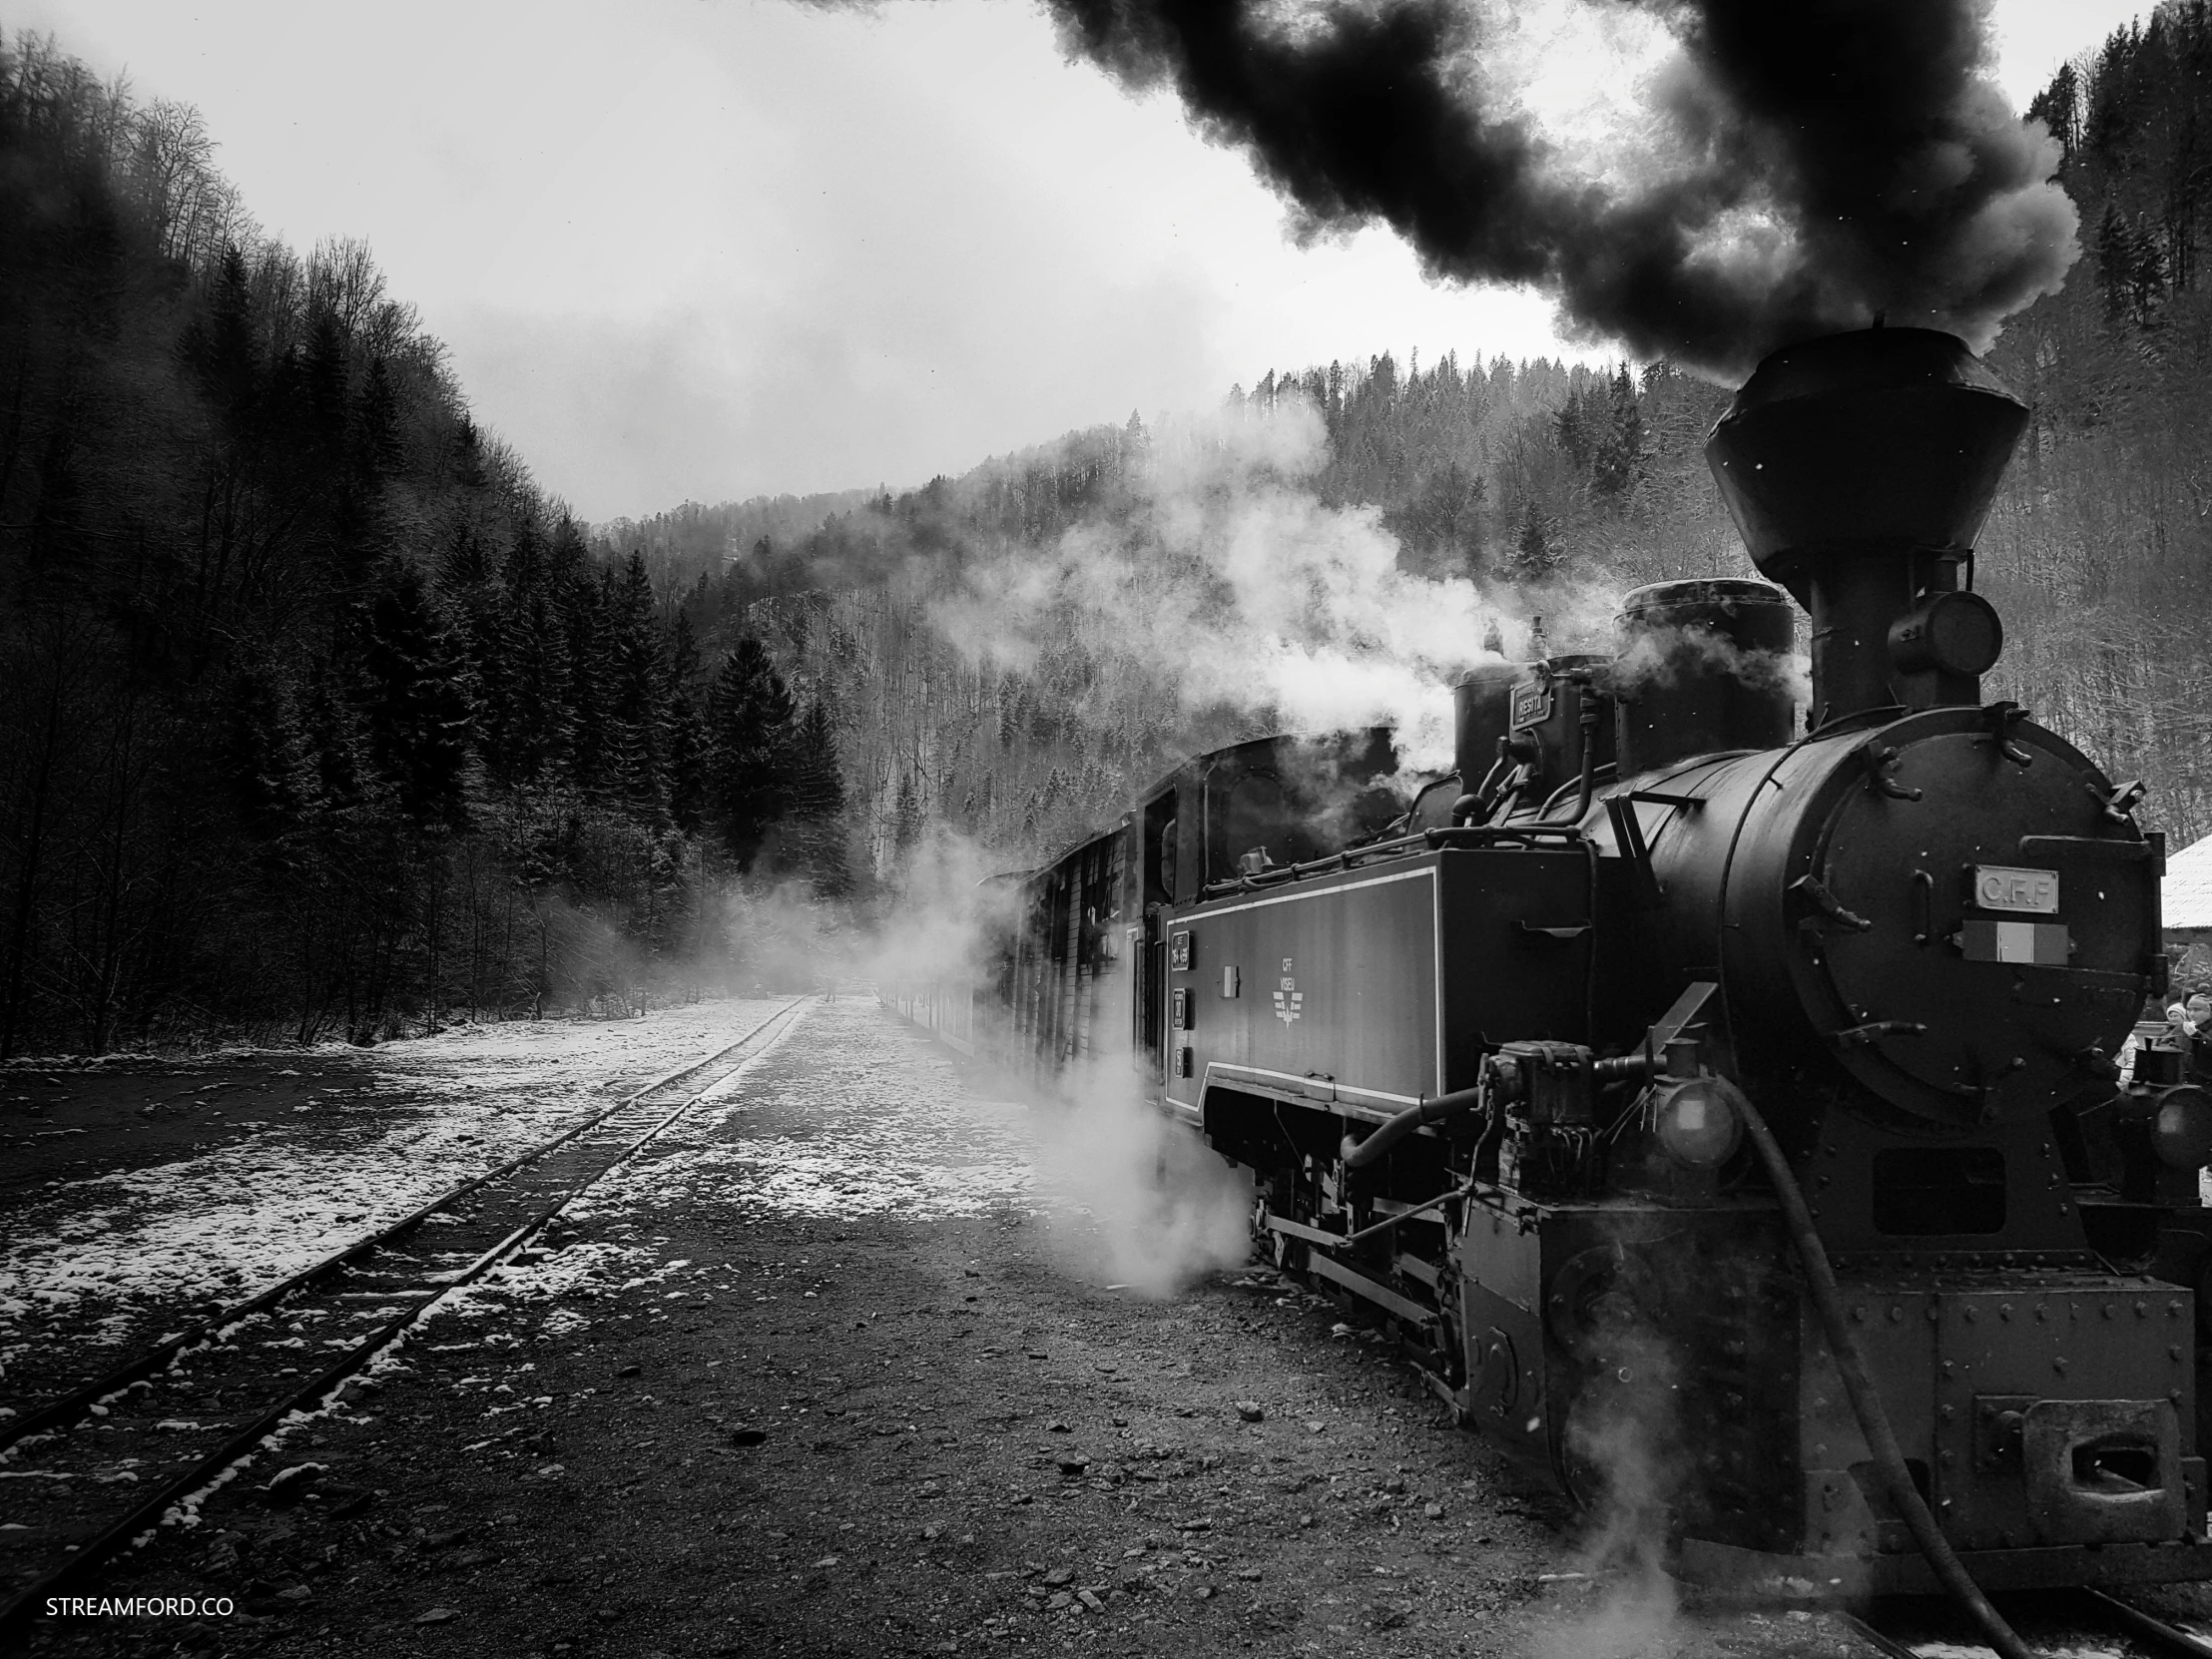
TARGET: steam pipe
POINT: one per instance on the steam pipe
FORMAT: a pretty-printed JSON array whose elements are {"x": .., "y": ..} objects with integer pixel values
[
  {"x": 1469, "y": 805},
  {"x": 1359, "y": 1155},
  {"x": 1866, "y": 1402},
  {"x": 1586, "y": 784}
]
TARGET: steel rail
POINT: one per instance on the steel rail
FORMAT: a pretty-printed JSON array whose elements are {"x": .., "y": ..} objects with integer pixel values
[
  {"x": 147, "y": 1514},
  {"x": 79, "y": 1403},
  {"x": 2100, "y": 1613}
]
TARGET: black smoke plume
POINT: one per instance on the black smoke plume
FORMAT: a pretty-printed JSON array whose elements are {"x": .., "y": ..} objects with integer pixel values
[{"x": 1814, "y": 162}]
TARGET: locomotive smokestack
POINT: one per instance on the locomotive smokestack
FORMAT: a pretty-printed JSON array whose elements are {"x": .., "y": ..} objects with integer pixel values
[{"x": 1858, "y": 469}]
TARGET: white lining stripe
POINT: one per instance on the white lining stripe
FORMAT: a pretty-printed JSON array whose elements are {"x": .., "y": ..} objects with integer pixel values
[{"x": 1426, "y": 870}]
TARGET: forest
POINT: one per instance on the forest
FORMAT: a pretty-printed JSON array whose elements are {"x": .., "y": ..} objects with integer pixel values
[{"x": 320, "y": 717}]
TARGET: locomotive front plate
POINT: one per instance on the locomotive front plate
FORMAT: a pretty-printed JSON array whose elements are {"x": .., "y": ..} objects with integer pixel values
[{"x": 2002, "y": 887}]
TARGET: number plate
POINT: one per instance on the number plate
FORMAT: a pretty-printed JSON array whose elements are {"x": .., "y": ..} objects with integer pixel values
[
  {"x": 1532, "y": 704},
  {"x": 2002, "y": 887}
]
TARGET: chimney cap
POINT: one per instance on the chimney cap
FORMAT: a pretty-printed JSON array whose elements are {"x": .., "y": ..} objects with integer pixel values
[{"x": 1882, "y": 435}]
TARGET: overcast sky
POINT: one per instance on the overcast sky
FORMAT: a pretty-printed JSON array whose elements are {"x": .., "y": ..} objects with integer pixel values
[{"x": 711, "y": 249}]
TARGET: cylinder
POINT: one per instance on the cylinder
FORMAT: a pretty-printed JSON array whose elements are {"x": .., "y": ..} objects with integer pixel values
[
  {"x": 1481, "y": 707},
  {"x": 1704, "y": 667}
]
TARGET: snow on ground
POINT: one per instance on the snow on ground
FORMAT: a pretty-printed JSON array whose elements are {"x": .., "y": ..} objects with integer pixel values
[
  {"x": 860, "y": 1115},
  {"x": 112, "y": 1248}
]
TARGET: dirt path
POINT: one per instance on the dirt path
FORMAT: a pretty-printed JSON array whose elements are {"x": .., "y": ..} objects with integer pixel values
[{"x": 827, "y": 1376}]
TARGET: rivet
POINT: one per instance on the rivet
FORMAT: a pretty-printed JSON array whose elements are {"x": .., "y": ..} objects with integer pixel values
[
  {"x": 2042, "y": 1312},
  {"x": 2004, "y": 1310},
  {"x": 2109, "y": 1309},
  {"x": 1948, "y": 1459},
  {"x": 2174, "y": 1395},
  {"x": 2173, "y": 1310},
  {"x": 2142, "y": 1309},
  {"x": 1947, "y": 1412},
  {"x": 1858, "y": 1313},
  {"x": 2058, "y": 1362},
  {"x": 2173, "y": 1350},
  {"x": 1897, "y": 1316},
  {"x": 1973, "y": 1313}
]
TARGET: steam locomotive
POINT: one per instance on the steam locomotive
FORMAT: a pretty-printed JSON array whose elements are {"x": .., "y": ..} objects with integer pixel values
[{"x": 1697, "y": 1098}]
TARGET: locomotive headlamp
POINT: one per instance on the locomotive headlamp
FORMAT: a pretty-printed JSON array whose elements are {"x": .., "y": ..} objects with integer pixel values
[
  {"x": 1697, "y": 1122},
  {"x": 2181, "y": 1132},
  {"x": 1951, "y": 633}
]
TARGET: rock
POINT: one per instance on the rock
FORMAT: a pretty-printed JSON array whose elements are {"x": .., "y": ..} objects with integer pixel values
[
  {"x": 1250, "y": 1410},
  {"x": 1197, "y": 1524},
  {"x": 1389, "y": 1615},
  {"x": 446, "y": 1540},
  {"x": 1317, "y": 1427},
  {"x": 289, "y": 1485},
  {"x": 437, "y": 1615},
  {"x": 1058, "y": 1429},
  {"x": 1089, "y": 1598},
  {"x": 297, "y": 1592},
  {"x": 1205, "y": 1592},
  {"x": 1434, "y": 1511},
  {"x": 1058, "y": 1577},
  {"x": 931, "y": 1534},
  {"x": 1061, "y": 1600},
  {"x": 1248, "y": 1574},
  {"x": 629, "y": 1370},
  {"x": 1394, "y": 1486},
  {"x": 1074, "y": 1465},
  {"x": 748, "y": 1437}
]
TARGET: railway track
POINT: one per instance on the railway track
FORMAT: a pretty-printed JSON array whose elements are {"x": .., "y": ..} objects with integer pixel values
[
  {"x": 185, "y": 1414},
  {"x": 2072, "y": 1621}
]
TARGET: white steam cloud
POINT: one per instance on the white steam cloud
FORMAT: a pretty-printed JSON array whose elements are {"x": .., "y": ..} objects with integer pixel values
[
  {"x": 1131, "y": 1198},
  {"x": 1231, "y": 582}
]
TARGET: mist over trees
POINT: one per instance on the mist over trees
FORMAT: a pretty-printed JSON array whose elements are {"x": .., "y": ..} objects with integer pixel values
[{"x": 318, "y": 715}]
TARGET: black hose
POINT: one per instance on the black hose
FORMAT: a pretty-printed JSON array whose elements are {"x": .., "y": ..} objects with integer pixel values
[
  {"x": 1866, "y": 1403},
  {"x": 1363, "y": 1154}
]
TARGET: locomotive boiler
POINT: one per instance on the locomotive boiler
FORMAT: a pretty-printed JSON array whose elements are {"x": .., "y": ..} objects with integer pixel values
[{"x": 1701, "y": 1094}]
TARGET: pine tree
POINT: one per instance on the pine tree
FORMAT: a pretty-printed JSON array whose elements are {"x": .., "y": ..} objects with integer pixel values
[
  {"x": 686, "y": 731},
  {"x": 330, "y": 737},
  {"x": 1534, "y": 558},
  {"x": 816, "y": 833},
  {"x": 637, "y": 706},
  {"x": 261, "y": 751},
  {"x": 750, "y": 739},
  {"x": 416, "y": 711},
  {"x": 1621, "y": 461}
]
